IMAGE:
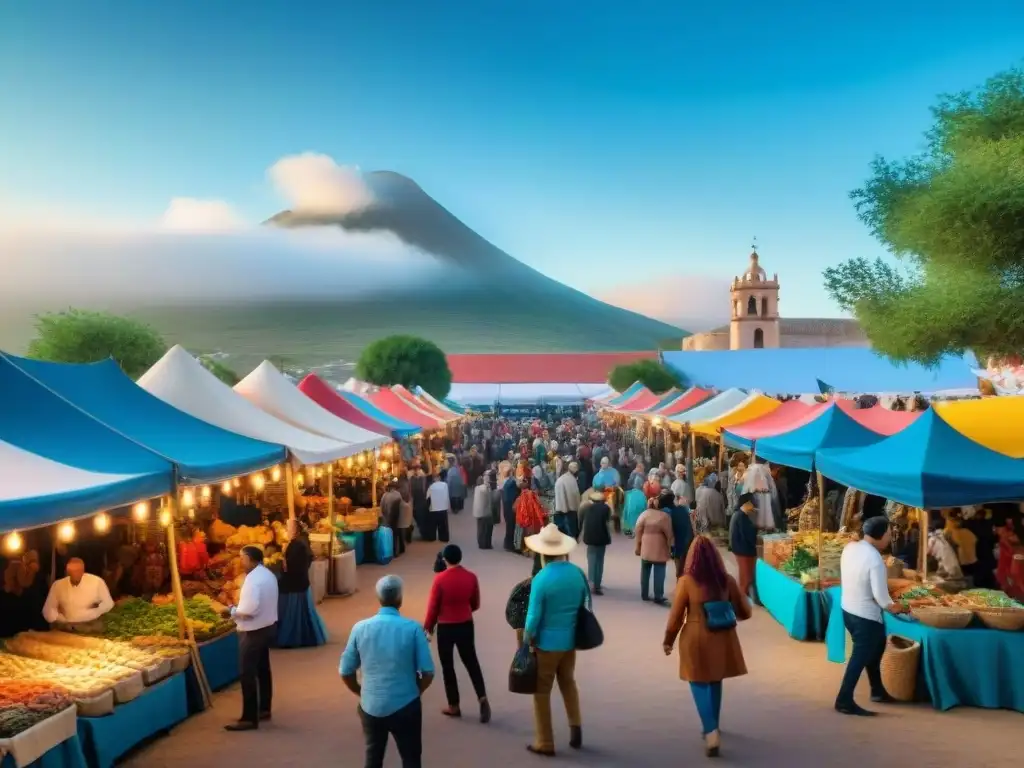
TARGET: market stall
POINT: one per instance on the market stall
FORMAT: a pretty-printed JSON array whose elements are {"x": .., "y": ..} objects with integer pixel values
[
  {"x": 354, "y": 409},
  {"x": 397, "y": 408},
  {"x": 691, "y": 398},
  {"x": 931, "y": 465}
]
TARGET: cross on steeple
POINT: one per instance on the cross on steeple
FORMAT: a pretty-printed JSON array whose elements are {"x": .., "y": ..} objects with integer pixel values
[{"x": 753, "y": 246}]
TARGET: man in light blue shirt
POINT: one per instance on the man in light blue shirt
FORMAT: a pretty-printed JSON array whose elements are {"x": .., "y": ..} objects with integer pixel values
[{"x": 393, "y": 654}]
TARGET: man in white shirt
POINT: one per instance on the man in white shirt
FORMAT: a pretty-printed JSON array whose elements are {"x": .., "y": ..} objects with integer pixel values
[
  {"x": 256, "y": 619},
  {"x": 77, "y": 602},
  {"x": 567, "y": 501},
  {"x": 865, "y": 595},
  {"x": 440, "y": 503}
]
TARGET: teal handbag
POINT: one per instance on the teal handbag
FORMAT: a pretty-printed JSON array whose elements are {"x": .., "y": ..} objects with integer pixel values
[{"x": 719, "y": 615}]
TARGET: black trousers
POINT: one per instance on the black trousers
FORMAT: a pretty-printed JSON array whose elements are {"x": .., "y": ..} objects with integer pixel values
[
  {"x": 458, "y": 502},
  {"x": 868, "y": 647},
  {"x": 405, "y": 725},
  {"x": 484, "y": 532},
  {"x": 436, "y": 527},
  {"x": 458, "y": 636},
  {"x": 510, "y": 530},
  {"x": 254, "y": 663}
]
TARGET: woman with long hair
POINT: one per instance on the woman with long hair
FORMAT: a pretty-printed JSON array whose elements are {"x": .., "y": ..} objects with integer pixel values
[{"x": 707, "y": 605}]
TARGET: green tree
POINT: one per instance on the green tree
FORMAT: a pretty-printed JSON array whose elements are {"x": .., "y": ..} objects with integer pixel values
[
  {"x": 406, "y": 360},
  {"x": 79, "y": 336},
  {"x": 218, "y": 369},
  {"x": 654, "y": 375},
  {"x": 953, "y": 216}
]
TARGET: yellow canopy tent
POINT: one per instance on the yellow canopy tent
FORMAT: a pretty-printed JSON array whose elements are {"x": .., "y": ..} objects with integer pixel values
[
  {"x": 995, "y": 422},
  {"x": 753, "y": 407}
]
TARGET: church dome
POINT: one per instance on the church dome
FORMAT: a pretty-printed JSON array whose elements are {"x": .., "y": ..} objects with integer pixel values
[{"x": 754, "y": 273}]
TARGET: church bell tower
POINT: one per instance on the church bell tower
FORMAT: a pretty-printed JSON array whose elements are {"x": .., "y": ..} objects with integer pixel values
[{"x": 755, "y": 308}]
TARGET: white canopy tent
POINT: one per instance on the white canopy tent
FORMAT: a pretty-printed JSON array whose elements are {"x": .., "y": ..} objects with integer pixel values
[
  {"x": 267, "y": 388},
  {"x": 35, "y": 490},
  {"x": 180, "y": 380},
  {"x": 526, "y": 394}
]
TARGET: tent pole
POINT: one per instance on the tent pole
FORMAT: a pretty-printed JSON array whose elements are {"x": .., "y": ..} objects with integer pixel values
[
  {"x": 289, "y": 482},
  {"x": 185, "y": 631},
  {"x": 331, "y": 518},
  {"x": 373, "y": 481},
  {"x": 821, "y": 521},
  {"x": 922, "y": 569},
  {"x": 721, "y": 453}
]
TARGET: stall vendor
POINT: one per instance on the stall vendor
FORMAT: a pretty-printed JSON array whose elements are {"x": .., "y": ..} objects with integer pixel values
[{"x": 77, "y": 602}]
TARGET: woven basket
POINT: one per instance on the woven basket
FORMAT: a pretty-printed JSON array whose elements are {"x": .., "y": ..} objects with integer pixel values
[
  {"x": 899, "y": 667},
  {"x": 943, "y": 617},
  {"x": 1008, "y": 619}
]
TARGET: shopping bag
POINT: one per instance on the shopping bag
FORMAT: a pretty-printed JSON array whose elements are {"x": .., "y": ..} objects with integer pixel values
[
  {"x": 589, "y": 634},
  {"x": 522, "y": 674},
  {"x": 384, "y": 545}
]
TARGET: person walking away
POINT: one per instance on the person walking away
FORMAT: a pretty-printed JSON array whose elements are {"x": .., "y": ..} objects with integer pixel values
[
  {"x": 482, "y": 512},
  {"x": 394, "y": 657},
  {"x": 654, "y": 542},
  {"x": 298, "y": 623},
  {"x": 439, "y": 504},
  {"x": 865, "y": 595},
  {"x": 255, "y": 617},
  {"x": 509, "y": 496},
  {"x": 418, "y": 485},
  {"x": 679, "y": 486},
  {"x": 652, "y": 488},
  {"x": 633, "y": 506},
  {"x": 391, "y": 511},
  {"x": 710, "y": 504},
  {"x": 743, "y": 541},
  {"x": 595, "y": 523},
  {"x": 557, "y": 593},
  {"x": 637, "y": 478},
  {"x": 456, "y": 487},
  {"x": 567, "y": 501},
  {"x": 682, "y": 528},
  {"x": 454, "y": 598},
  {"x": 709, "y": 648}
]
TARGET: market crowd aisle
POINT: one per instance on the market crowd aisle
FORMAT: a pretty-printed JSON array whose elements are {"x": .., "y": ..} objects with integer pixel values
[{"x": 636, "y": 712}]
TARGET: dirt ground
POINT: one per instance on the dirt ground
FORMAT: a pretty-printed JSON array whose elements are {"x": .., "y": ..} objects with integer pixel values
[{"x": 636, "y": 711}]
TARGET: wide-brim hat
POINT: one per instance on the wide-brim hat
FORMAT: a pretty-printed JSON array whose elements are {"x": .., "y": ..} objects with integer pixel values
[
  {"x": 596, "y": 494},
  {"x": 550, "y": 542}
]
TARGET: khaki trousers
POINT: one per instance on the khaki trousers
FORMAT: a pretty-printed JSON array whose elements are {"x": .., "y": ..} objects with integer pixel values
[{"x": 554, "y": 666}]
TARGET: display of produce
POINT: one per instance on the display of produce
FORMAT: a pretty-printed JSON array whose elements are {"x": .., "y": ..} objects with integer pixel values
[
  {"x": 118, "y": 652},
  {"x": 163, "y": 647},
  {"x": 800, "y": 561},
  {"x": 990, "y": 598},
  {"x": 111, "y": 664},
  {"x": 24, "y": 703},
  {"x": 80, "y": 682},
  {"x": 138, "y": 618}
]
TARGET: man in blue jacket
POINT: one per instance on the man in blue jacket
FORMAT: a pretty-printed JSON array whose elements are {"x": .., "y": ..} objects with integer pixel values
[
  {"x": 743, "y": 541},
  {"x": 682, "y": 527}
]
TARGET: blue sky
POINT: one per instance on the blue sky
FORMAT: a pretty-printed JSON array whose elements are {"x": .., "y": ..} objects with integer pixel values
[{"x": 603, "y": 143}]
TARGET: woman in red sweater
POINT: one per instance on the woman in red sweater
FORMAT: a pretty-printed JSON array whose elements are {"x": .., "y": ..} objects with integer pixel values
[{"x": 454, "y": 597}]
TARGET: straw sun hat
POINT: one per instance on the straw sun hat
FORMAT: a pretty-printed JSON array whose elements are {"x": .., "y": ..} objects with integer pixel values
[{"x": 550, "y": 542}]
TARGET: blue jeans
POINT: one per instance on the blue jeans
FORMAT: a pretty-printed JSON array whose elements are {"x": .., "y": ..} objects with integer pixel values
[
  {"x": 567, "y": 522},
  {"x": 868, "y": 647},
  {"x": 708, "y": 698},
  {"x": 595, "y": 565},
  {"x": 647, "y": 569}
]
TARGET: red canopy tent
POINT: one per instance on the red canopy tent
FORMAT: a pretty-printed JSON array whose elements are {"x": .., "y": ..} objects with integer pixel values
[
  {"x": 690, "y": 399},
  {"x": 790, "y": 415},
  {"x": 323, "y": 394},
  {"x": 423, "y": 405},
  {"x": 395, "y": 406},
  {"x": 643, "y": 398},
  {"x": 879, "y": 419}
]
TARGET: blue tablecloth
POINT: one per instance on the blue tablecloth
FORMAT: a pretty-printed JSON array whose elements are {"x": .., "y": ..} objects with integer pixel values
[
  {"x": 220, "y": 660},
  {"x": 159, "y": 708},
  {"x": 800, "y": 611},
  {"x": 973, "y": 667},
  {"x": 67, "y": 754}
]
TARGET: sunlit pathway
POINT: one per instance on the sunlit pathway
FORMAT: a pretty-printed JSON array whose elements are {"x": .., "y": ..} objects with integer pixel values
[{"x": 636, "y": 711}]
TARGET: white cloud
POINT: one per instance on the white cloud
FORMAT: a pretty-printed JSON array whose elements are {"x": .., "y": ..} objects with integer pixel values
[
  {"x": 188, "y": 214},
  {"x": 693, "y": 303},
  {"x": 315, "y": 183}
]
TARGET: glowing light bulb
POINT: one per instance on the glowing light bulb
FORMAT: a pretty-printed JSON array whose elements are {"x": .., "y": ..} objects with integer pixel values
[
  {"x": 348, "y": 463},
  {"x": 237, "y": 483},
  {"x": 226, "y": 487},
  {"x": 361, "y": 459},
  {"x": 300, "y": 480},
  {"x": 13, "y": 543},
  {"x": 258, "y": 482},
  {"x": 101, "y": 523},
  {"x": 66, "y": 532},
  {"x": 141, "y": 511},
  {"x": 165, "y": 518},
  {"x": 318, "y": 473},
  {"x": 206, "y": 492},
  {"x": 191, "y": 514},
  {"x": 384, "y": 467},
  {"x": 275, "y": 474},
  {"x": 188, "y": 498}
]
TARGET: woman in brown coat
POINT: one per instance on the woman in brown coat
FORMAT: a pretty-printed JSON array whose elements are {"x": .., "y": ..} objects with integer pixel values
[
  {"x": 707, "y": 656},
  {"x": 654, "y": 541}
]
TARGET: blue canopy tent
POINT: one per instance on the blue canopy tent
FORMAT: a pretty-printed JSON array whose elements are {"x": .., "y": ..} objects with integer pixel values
[
  {"x": 929, "y": 465},
  {"x": 797, "y": 370},
  {"x": 635, "y": 387},
  {"x": 40, "y": 423},
  {"x": 797, "y": 448},
  {"x": 398, "y": 427},
  {"x": 202, "y": 452}
]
